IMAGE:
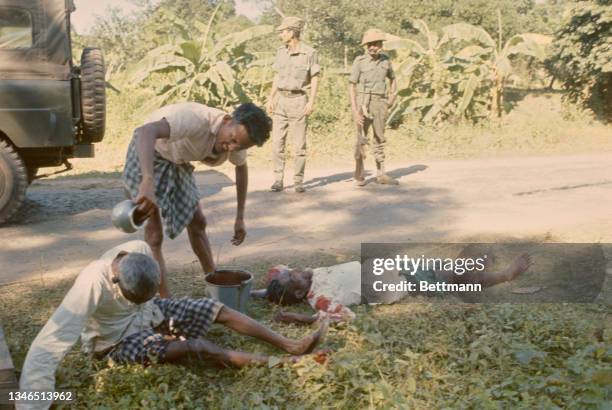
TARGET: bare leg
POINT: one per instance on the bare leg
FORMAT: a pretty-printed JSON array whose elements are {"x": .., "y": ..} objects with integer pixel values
[
  {"x": 199, "y": 240},
  {"x": 247, "y": 326},
  {"x": 154, "y": 236},
  {"x": 486, "y": 279},
  {"x": 297, "y": 318},
  {"x": 205, "y": 350}
]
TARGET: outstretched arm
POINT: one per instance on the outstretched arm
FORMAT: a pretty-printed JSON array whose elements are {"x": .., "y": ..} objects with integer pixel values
[
  {"x": 145, "y": 137},
  {"x": 242, "y": 183},
  {"x": 58, "y": 336},
  {"x": 487, "y": 279}
]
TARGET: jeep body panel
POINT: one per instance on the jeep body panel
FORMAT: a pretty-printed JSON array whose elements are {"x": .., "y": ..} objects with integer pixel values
[
  {"x": 37, "y": 113},
  {"x": 47, "y": 53},
  {"x": 38, "y": 105}
]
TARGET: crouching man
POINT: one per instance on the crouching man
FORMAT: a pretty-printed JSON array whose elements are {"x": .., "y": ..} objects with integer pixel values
[{"x": 113, "y": 307}]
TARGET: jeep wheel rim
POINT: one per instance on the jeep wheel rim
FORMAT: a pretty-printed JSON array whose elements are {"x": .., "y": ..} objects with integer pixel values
[{"x": 6, "y": 182}]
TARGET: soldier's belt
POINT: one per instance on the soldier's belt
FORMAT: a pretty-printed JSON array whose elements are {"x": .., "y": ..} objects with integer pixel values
[{"x": 291, "y": 93}]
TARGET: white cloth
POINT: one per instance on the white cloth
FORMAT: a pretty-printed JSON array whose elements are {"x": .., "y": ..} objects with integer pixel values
[
  {"x": 334, "y": 288},
  {"x": 94, "y": 308},
  {"x": 193, "y": 132}
]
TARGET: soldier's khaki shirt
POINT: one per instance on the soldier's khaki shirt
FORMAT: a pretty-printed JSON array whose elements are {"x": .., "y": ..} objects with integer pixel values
[
  {"x": 296, "y": 68},
  {"x": 193, "y": 132},
  {"x": 370, "y": 74}
]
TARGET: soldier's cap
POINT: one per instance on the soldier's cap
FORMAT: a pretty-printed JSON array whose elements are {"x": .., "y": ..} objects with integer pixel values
[
  {"x": 373, "y": 34},
  {"x": 291, "y": 23}
]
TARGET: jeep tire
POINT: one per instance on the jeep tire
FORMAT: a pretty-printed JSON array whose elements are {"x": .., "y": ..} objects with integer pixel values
[
  {"x": 93, "y": 95},
  {"x": 13, "y": 181}
]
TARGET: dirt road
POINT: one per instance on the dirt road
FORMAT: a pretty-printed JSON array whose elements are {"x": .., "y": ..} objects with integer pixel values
[{"x": 66, "y": 221}]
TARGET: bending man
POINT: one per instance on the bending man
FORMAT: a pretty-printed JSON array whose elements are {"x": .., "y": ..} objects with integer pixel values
[{"x": 159, "y": 176}]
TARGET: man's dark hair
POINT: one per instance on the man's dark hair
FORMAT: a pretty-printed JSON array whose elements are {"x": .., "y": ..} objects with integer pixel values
[
  {"x": 256, "y": 122},
  {"x": 282, "y": 295}
]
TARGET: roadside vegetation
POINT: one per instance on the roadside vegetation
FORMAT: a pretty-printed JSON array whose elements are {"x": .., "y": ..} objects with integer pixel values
[
  {"x": 478, "y": 78},
  {"x": 417, "y": 355}
]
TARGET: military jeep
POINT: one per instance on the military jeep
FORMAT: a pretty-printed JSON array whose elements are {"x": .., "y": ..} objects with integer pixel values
[{"x": 50, "y": 109}]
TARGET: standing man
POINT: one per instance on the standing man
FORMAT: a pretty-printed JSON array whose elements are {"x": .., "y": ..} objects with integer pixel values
[
  {"x": 370, "y": 102},
  {"x": 159, "y": 177},
  {"x": 292, "y": 99}
]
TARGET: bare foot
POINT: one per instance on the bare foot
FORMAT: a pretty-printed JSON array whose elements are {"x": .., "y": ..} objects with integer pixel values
[
  {"x": 298, "y": 318},
  {"x": 519, "y": 266},
  {"x": 320, "y": 356},
  {"x": 307, "y": 344}
]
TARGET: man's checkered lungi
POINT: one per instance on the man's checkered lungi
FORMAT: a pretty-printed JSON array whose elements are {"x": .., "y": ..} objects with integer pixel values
[
  {"x": 185, "y": 317},
  {"x": 176, "y": 193}
]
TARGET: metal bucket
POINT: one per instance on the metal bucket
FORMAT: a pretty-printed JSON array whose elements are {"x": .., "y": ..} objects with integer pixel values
[{"x": 230, "y": 287}]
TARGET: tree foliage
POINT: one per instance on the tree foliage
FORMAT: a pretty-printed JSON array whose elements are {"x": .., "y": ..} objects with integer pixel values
[
  {"x": 331, "y": 23},
  {"x": 199, "y": 66},
  {"x": 456, "y": 73},
  {"x": 582, "y": 56}
]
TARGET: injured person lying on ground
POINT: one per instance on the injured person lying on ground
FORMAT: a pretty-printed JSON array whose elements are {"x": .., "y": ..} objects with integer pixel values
[
  {"x": 331, "y": 290},
  {"x": 113, "y": 308}
]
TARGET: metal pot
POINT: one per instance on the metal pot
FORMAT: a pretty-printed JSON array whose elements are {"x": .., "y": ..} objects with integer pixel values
[
  {"x": 123, "y": 216},
  {"x": 230, "y": 286}
]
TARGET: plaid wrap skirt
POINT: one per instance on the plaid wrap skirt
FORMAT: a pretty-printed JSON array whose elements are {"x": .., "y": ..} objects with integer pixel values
[
  {"x": 185, "y": 318},
  {"x": 176, "y": 192}
]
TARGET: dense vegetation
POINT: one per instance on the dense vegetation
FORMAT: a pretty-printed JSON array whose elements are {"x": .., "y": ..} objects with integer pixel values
[
  {"x": 582, "y": 56},
  {"x": 407, "y": 356},
  {"x": 452, "y": 57},
  {"x": 456, "y": 62}
]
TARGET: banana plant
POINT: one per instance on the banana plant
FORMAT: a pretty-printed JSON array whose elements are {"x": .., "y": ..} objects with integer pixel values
[
  {"x": 200, "y": 67},
  {"x": 435, "y": 82},
  {"x": 528, "y": 44},
  {"x": 458, "y": 73}
]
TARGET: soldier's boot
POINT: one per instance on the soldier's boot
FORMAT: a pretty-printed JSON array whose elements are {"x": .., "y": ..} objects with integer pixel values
[
  {"x": 277, "y": 186},
  {"x": 299, "y": 187},
  {"x": 382, "y": 177}
]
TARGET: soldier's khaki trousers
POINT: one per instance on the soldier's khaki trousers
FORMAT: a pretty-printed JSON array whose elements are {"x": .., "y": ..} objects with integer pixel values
[
  {"x": 289, "y": 118},
  {"x": 376, "y": 109}
]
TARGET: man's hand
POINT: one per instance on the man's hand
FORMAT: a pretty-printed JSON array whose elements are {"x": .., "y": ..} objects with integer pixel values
[
  {"x": 308, "y": 109},
  {"x": 144, "y": 211},
  {"x": 146, "y": 199},
  {"x": 239, "y": 232},
  {"x": 358, "y": 118},
  {"x": 270, "y": 105}
]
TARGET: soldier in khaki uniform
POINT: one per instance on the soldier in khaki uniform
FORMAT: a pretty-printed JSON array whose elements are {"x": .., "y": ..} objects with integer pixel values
[
  {"x": 292, "y": 99},
  {"x": 369, "y": 103}
]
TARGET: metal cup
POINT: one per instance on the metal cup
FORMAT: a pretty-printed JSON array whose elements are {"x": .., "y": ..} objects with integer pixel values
[{"x": 123, "y": 216}]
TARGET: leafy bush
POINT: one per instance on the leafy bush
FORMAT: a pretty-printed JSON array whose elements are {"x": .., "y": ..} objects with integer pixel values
[
  {"x": 582, "y": 56},
  {"x": 456, "y": 74},
  {"x": 200, "y": 67}
]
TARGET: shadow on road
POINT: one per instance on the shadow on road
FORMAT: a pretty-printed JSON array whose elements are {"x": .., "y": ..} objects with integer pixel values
[{"x": 346, "y": 176}]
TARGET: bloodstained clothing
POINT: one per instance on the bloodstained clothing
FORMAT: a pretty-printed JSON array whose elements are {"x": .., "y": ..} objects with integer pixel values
[{"x": 333, "y": 289}]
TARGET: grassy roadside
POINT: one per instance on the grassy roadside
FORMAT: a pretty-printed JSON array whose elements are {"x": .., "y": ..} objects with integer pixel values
[
  {"x": 536, "y": 126},
  {"x": 416, "y": 355}
]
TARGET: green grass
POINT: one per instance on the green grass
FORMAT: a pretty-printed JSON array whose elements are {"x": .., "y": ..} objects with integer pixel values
[{"x": 416, "y": 355}]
